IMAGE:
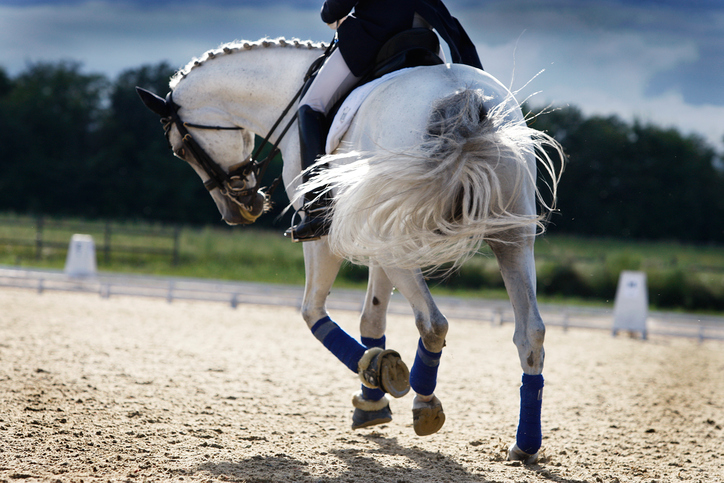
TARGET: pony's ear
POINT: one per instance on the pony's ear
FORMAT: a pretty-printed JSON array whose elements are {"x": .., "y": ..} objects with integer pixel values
[{"x": 153, "y": 102}]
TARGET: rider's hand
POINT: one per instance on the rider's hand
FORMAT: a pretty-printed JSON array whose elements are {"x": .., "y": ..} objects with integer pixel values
[{"x": 335, "y": 25}]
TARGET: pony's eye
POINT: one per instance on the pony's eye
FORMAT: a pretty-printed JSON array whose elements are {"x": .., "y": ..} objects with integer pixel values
[{"x": 181, "y": 153}]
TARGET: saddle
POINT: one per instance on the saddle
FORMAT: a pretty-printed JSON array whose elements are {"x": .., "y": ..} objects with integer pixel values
[{"x": 411, "y": 48}]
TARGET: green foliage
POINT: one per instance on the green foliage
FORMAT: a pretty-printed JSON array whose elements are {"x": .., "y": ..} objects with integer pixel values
[
  {"x": 634, "y": 181},
  {"x": 688, "y": 277},
  {"x": 135, "y": 173},
  {"x": 557, "y": 279},
  {"x": 5, "y": 83},
  {"x": 49, "y": 118},
  {"x": 78, "y": 144}
]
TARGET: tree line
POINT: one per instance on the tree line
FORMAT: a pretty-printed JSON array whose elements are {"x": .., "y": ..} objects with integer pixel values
[{"x": 83, "y": 145}]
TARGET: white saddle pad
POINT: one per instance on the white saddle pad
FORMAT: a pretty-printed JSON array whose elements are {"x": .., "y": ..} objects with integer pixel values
[{"x": 349, "y": 108}]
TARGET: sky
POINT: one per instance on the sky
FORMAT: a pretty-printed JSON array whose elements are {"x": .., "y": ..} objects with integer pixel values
[{"x": 655, "y": 61}]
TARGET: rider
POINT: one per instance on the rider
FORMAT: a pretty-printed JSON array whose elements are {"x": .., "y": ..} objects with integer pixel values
[{"x": 360, "y": 35}]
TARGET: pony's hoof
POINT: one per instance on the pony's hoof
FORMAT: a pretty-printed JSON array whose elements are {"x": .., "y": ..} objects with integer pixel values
[
  {"x": 365, "y": 419},
  {"x": 370, "y": 413},
  {"x": 427, "y": 416},
  {"x": 517, "y": 454},
  {"x": 385, "y": 369}
]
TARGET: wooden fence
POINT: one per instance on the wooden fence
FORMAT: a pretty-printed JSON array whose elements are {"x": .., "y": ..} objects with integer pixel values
[{"x": 42, "y": 233}]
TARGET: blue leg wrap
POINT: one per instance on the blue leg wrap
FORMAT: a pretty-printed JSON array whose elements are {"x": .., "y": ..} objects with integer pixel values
[
  {"x": 367, "y": 393},
  {"x": 423, "y": 377},
  {"x": 339, "y": 342},
  {"x": 530, "y": 437}
]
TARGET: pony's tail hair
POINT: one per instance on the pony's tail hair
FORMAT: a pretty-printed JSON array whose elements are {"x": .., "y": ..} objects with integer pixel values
[{"x": 436, "y": 203}]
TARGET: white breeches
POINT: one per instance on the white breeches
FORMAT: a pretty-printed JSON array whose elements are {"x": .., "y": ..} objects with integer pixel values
[{"x": 333, "y": 81}]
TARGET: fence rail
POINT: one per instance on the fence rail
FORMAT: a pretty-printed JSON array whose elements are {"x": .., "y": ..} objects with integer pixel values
[
  {"x": 495, "y": 312},
  {"x": 42, "y": 233}
]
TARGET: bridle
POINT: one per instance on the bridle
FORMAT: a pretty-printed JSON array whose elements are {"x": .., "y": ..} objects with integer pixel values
[{"x": 235, "y": 184}]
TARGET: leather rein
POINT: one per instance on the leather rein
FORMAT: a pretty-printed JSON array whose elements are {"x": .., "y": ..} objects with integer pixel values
[{"x": 234, "y": 184}]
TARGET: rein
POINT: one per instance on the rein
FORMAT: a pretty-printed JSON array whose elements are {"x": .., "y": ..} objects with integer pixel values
[{"x": 233, "y": 184}]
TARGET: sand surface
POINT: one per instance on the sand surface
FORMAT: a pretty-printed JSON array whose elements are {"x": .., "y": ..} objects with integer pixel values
[{"x": 134, "y": 389}]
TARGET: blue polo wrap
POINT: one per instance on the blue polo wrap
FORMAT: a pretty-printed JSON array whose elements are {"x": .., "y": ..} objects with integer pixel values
[
  {"x": 423, "y": 376},
  {"x": 530, "y": 437},
  {"x": 338, "y": 342}
]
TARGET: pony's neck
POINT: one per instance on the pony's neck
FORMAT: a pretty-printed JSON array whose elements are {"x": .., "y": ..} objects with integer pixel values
[{"x": 245, "y": 84}]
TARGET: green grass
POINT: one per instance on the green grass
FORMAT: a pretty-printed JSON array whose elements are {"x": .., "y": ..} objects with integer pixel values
[
  {"x": 570, "y": 269},
  {"x": 210, "y": 252}
]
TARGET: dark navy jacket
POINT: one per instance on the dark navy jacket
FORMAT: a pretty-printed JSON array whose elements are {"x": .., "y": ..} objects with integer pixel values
[{"x": 376, "y": 21}]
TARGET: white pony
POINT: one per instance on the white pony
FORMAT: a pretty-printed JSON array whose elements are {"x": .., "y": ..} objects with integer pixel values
[{"x": 436, "y": 162}]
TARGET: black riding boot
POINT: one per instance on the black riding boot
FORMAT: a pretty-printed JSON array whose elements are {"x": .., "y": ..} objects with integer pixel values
[{"x": 312, "y": 137}]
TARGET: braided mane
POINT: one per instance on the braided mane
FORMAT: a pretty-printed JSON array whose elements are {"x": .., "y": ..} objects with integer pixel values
[{"x": 241, "y": 46}]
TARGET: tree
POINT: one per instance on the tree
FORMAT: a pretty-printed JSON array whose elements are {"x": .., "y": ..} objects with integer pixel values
[
  {"x": 6, "y": 84},
  {"x": 50, "y": 114},
  {"x": 77, "y": 144},
  {"x": 138, "y": 175},
  {"x": 636, "y": 180}
]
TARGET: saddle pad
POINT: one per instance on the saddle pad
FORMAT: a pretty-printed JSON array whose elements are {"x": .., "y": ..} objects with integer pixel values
[{"x": 349, "y": 108}]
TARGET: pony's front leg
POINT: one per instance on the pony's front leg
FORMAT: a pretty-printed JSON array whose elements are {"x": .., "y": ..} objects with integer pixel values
[
  {"x": 372, "y": 406},
  {"x": 517, "y": 266},
  {"x": 377, "y": 368},
  {"x": 427, "y": 412}
]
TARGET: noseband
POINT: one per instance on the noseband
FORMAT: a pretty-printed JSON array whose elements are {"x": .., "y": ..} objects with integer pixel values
[{"x": 234, "y": 184}]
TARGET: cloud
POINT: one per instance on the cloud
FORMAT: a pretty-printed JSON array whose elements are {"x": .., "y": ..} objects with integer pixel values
[
  {"x": 111, "y": 37},
  {"x": 656, "y": 60},
  {"x": 304, "y": 4}
]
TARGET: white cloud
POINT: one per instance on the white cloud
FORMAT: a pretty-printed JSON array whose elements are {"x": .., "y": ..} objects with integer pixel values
[
  {"x": 596, "y": 57},
  {"x": 111, "y": 37},
  {"x": 600, "y": 70}
]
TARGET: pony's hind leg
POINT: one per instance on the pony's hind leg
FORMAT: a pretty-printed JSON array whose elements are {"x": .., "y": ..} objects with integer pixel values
[
  {"x": 427, "y": 412},
  {"x": 377, "y": 368},
  {"x": 372, "y": 407},
  {"x": 517, "y": 266}
]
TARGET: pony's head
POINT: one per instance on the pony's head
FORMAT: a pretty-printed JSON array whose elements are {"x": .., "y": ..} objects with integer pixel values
[{"x": 220, "y": 155}]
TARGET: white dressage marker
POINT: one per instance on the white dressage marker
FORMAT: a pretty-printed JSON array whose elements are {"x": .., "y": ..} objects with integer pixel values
[
  {"x": 81, "y": 258},
  {"x": 631, "y": 308}
]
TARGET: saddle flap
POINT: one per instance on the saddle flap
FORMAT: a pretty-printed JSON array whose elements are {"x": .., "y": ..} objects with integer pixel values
[
  {"x": 411, "y": 48},
  {"x": 417, "y": 38}
]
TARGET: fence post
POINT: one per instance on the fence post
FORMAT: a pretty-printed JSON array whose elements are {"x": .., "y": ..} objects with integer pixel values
[
  {"x": 107, "y": 243},
  {"x": 176, "y": 236},
  {"x": 39, "y": 238}
]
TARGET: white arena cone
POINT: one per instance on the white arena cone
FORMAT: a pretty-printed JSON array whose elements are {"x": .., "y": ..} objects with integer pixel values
[{"x": 81, "y": 259}]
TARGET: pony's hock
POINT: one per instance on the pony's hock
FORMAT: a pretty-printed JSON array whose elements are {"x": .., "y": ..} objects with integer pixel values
[{"x": 436, "y": 161}]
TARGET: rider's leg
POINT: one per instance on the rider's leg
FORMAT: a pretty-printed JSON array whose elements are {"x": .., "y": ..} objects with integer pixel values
[
  {"x": 333, "y": 80},
  {"x": 312, "y": 133}
]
